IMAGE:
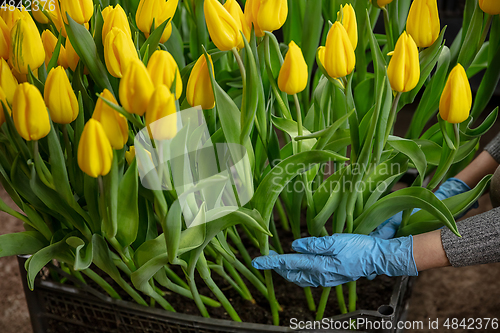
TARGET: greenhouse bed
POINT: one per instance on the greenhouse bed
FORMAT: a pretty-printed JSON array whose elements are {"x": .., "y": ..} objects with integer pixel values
[{"x": 55, "y": 308}]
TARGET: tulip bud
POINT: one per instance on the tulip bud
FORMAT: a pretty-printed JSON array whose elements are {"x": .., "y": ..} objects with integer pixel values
[
  {"x": 130, "y": 155},
  {"x": 114, "y": 124},
  {"x": 199, "y": 88},
  {"x": 293, "y": 73},
  {"x": 251, "y": 14},
  {"x": 163, "y": 69},
  {"x": 3, "y": 102},
  {"x": 60, "y": 97},
  {"x": 38, "y": 15},
  {"x": 79, "y": 10},
  {"x": 115, "y": 17},
  {"x": 30, "y": 113},
  {"x": 456, "y": 99},
  {"x": 491, "y": 7},
  {"x": 234, "y": 9},
  {"x": 157, "y": 10},
  {"x": 404, "y": 68},
  {"x": 72, "y": 57},
  {"x": 339, "y": 59},
  {"x": 57, "y": 18},
  {"x": 106, "y": 11},
  {"x": 4, "y": 40},
  {"x": 119, "y": 50},
  {"x": 161, "y": 118},
  {"x": 272, "y": 14},
  {"x": 136, "y": 88},
  {"x": 350, "y": 24},
  {"x": 10, "y": 16},
  {"x": 380, "y": 3},
  {"x": 423, "y": 22},
  {"x": 27, "y": 47},
  {"x": 49, "y": 44},
  {"x": 95, "y": 154},
  {"x": 223, "y": 29}
]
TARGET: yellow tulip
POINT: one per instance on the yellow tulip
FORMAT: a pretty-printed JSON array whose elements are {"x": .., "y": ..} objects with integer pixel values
[
  {"x": 404, "y": 68},
  {"x": 79, "y": 10},
  {"x": 11, "y": 15},
  {"x": 491, "y": 7},
  {"x": 163, "y": 69},
  {"x": 157, "y": 10},
  {"x": 272, "y": 14},
  {"x": 339, "y": 59},
  {"x": 293, "y": 73},
  {"x": 199, "y": 88},
  {"x": 119, "y": 51},
  {"x": 72, "y": 57},
  {"x": 381, "y": 3},
  {"x": 423, "y": 22},
  {"x": 29, "y": 113},
  {"x": 161, "y": 117},
  {"x": 57, "y": 18},
  {"x": 3, "y": 101},
  {"x": 49, "y": 44},
  {"x": 60, "y": 97},
  {"x": 136, "y": 88},
  {"x": 106, "y": 11},
  {"x": 222, "y": 27},
  {"x": 115, "y": 18},
  {"x": 251, "y": 15},
  {"x": 27, "y": 47},
  {"x": 233, "y": 7},
  {"x": 350, "y": 24},
  {"x": 4, "y": 40},
  {"x": 456, "y": 99},
  {"x": 38, "y": 15},
  {"x": 114, "y": 124},
  {"x": 95, "y": 154},
  {"x": 130, "y": 155}
]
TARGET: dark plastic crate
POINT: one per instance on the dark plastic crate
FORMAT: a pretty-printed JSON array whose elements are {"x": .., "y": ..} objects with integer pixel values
[{"x": 56, "y": 307}]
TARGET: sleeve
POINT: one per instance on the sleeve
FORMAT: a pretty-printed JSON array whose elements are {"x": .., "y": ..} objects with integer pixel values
[
  {"x": 494, "y": 148},
  {"x": 480, "y": 241}
]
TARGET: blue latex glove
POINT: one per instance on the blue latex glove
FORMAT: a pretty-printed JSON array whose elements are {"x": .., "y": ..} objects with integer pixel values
[
  {"x": 333, "y": 260},
  {"x": 448, "y": 189}
]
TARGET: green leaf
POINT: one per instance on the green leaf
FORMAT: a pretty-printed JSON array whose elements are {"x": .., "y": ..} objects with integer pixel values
[
  {"x": 21, "y": 243},
  {"x": 172, "y": 230},
  {"x": 127, "y": 206},
  {"x": 250, "y": 93},
  {"x": 55, "y": 54},
  {"x": 109, "y": 200},
  {"x": 480, "y": 130},
  {"x": 290, "y": 127},
  {"x": 487, "y": 87},
  {"x": 83, "y": 253},
  {"x": 152, "y": 42},
  {"x": 271, "y": 186},
  {"x": 407, "y": 198},
  {"x": 175, "y": 46},
  {"x": 84, "y": 46},
  {"x": 423, "y": 221},
  {"x": 59, "y": 251},
  {"x": 470, "y": 45},
  {"x": 413, "y": 151},
  {"x": 429, "y": 102}
]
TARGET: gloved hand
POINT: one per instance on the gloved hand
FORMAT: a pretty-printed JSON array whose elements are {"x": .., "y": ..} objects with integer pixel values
[
  {"x": 448, "y": 189},
  {"x": 333, "y": 260}
]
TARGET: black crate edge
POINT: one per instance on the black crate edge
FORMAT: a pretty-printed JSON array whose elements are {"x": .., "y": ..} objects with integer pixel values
[{"x": 52, "y": 302}]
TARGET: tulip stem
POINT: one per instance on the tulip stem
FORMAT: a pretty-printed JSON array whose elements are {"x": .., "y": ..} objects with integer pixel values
[
  {"x": 392, "y": 116},
  {"x": 299, "y": 122},
  {"x": 240, "y": 65},
  {"x": 388, "y": 29}
]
